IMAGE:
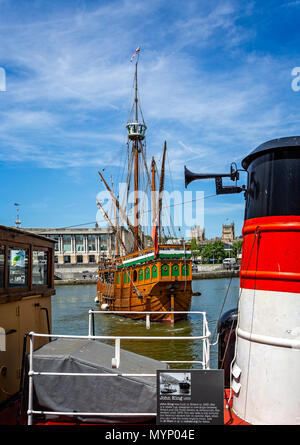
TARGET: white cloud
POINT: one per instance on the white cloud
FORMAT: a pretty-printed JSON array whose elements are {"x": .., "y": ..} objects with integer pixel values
[{"x": 69, "y": 81}]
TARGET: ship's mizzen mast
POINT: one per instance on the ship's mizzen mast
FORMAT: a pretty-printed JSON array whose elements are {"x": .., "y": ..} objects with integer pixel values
[
  {"x": 116, "y": 221},
  {"x": 153, "y": 169},
  {"x": 161, "y": 189},
  {"x": 136, "y": 196}
]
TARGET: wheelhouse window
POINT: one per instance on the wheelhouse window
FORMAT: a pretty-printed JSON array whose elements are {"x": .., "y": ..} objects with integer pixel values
[
  {"x": 2, "y": 261},
  {"x": 17, "y": 267},
  {"x": 39, "y": 268}
]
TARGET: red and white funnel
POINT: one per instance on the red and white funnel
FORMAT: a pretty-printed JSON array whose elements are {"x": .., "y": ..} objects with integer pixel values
[{"x": 266, "y": 369}]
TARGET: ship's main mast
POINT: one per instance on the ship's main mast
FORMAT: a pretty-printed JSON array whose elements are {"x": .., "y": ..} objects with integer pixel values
[{"x": 136, "y": 134}]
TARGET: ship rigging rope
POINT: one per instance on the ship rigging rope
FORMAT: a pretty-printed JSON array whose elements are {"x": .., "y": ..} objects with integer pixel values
[
  {"x": 252, "y": 319},
  {"x": 236, "y": 330},
  {"x": 224, "y": 301},
  {"x": 171, "y": 205},
  {"x": 226, "y": 347},
  {"x": 231, "y": 326}
]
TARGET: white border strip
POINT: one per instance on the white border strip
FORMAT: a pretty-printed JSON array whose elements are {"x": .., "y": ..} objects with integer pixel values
[{"x": 165, "y": 252}]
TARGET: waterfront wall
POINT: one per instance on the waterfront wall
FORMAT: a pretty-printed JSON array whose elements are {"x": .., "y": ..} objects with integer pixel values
[
  {"x": 221, "y": 273},
  {"x": 75, "y": 272},
  {"x": 71, "y": 281}
]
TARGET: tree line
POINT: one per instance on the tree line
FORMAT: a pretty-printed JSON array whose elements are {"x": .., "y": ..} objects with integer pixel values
[{"x": 214, "y": 251}]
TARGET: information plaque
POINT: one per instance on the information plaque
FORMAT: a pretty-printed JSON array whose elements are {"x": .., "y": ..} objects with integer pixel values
[{"x": 190, "y": 397}]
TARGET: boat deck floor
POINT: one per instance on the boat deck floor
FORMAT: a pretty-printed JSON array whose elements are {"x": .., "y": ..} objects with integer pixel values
[
  {"x": 9, "y": 415},
  {"x": 229, "y": 417}
]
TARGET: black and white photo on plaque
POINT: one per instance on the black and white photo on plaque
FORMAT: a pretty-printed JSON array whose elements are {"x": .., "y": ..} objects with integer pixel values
[{"x": 190, "y": 397}]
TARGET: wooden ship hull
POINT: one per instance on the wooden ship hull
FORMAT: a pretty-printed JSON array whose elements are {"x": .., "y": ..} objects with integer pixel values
[{"x": 159, "y": 285}]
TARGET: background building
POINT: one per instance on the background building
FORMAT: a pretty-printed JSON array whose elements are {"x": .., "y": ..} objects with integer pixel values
[
  {"x": 198, "y": 234},
  {"x": 78, "y": 250},
  {"x": 228, "y": 234}
]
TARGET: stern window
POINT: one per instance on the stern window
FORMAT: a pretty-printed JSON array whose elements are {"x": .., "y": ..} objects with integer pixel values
[
  {"x": 147, "y": 273},
  {"x": 185, "y": 270},
  {"x": 165, "y": 271},
  {"x": 175, "y": 270}
]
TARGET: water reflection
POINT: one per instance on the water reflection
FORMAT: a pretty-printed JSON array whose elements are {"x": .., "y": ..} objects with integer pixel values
[
  {"x": 179, "y": 350},
  {"x": 71, "y": 304}
]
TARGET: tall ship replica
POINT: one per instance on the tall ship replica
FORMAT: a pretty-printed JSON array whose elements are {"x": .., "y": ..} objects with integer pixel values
[{"x": 155, "y": 279}]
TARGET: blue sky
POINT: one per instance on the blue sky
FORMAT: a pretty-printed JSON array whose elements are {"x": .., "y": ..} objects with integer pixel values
[{"x": 215, "y": 82}]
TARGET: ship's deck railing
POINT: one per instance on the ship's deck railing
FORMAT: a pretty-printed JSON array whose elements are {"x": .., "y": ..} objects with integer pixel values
[
  {"x": 115, "y": 360},
  {"x": 151, "y": 250}
]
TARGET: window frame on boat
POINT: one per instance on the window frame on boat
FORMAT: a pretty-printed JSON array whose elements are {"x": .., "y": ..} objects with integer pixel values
[
  {"x": 44, "y": 274},
  {"x": 141, "y": 275},
  {"x": 147, "y": 273},
  {"x": 154, "y": 271},
  {"x": 185, "y": 271},
  {"x": 14, "y": 240},
  {"x": 12, "y": 251},
  {"x": 164, "y": 268},
  {"x": 175, "y": 270}
]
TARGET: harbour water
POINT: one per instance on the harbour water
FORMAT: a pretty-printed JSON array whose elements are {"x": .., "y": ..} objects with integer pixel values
[{"x": 71, "y": 304}]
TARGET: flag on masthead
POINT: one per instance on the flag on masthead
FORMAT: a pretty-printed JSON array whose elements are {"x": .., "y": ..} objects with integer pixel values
[{"x": 135, "y": 52}]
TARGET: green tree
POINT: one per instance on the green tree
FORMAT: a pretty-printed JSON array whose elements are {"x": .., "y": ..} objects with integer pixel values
[
  {"x": 236, "y": 248},
  {"x": 195, "y": 248},
  {"x": 213, "y": 252}
]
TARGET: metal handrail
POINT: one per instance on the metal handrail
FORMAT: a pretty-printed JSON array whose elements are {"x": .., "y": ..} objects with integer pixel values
[
  {"x": 115, "y": 360},
  {"x": 147, "y": 313},
  {"x": 205, "y": 337}
]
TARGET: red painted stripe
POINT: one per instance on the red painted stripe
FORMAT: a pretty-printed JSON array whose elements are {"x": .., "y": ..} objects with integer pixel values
[
  {"x": 230, "y": 418},
  {"x": 271, "y": 254}
]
